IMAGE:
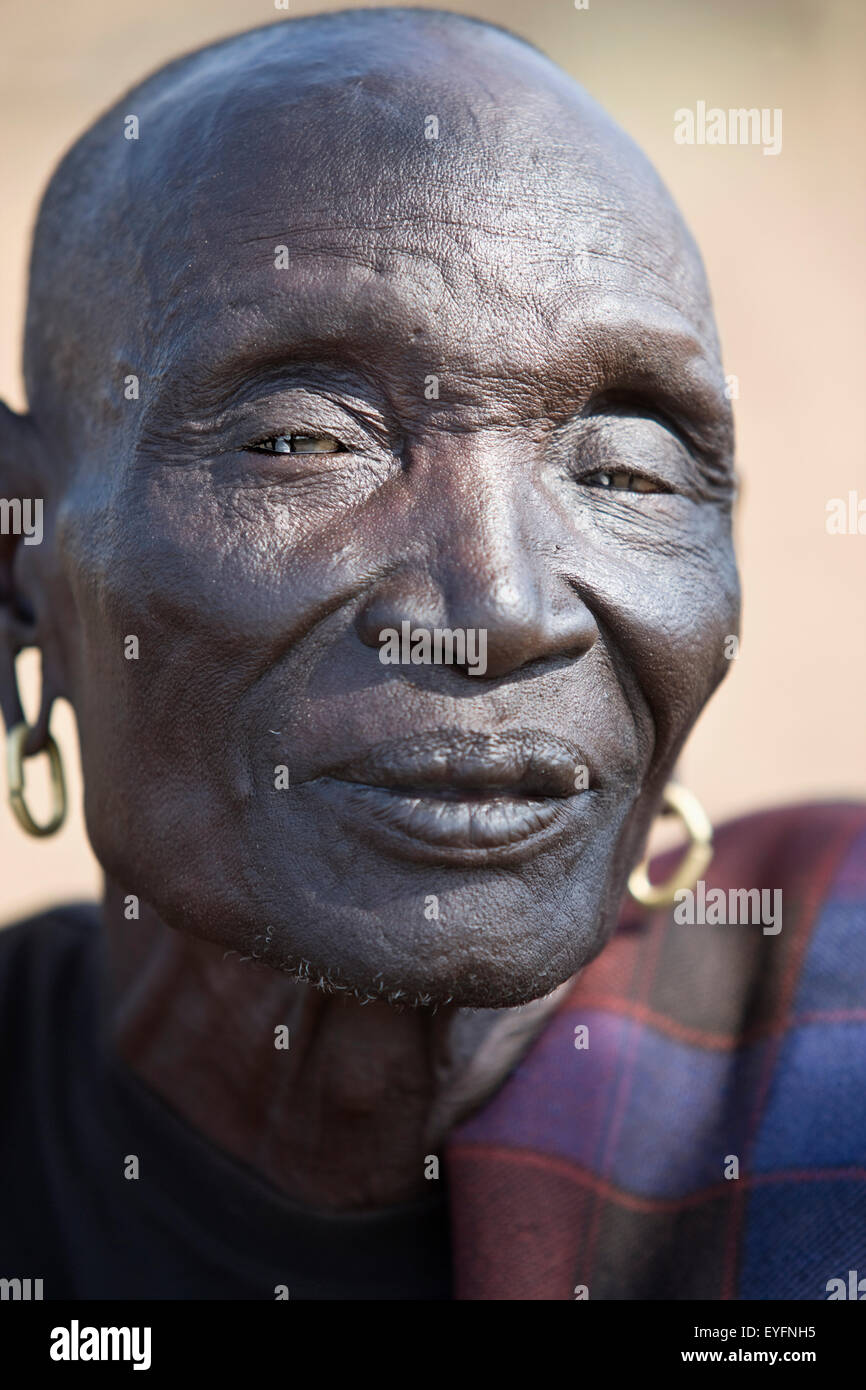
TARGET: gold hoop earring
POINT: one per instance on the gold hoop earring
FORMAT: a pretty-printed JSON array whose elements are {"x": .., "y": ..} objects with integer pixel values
[
  {"x": 15, "y": 769},
  {"x": 697, "y": 858}
]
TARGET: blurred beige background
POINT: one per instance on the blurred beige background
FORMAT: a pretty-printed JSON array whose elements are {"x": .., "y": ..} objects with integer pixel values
[{"x": 782, "y": 237}]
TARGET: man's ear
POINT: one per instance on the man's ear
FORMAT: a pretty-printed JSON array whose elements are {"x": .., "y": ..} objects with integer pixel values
[{"x": 22, "y": 530}]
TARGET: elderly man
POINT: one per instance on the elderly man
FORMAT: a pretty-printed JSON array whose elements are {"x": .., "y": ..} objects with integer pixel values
[{"x": 354, "y": 326}]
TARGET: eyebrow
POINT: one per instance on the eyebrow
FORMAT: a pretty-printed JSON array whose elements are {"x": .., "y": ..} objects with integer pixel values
[
  {"x": 634, "y": 351},
  {"x": 653, "y": 355},
  {"x": 650, "y": 355}
]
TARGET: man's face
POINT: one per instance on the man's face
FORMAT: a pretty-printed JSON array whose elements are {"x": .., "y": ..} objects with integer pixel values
[{"x": 478, "y": 390}]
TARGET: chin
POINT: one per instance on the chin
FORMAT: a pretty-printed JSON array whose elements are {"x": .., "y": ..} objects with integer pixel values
[{"x": 494, "y": 943}]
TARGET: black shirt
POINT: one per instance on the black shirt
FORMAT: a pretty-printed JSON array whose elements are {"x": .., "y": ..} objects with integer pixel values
[{"x": 195, "y": 1223}]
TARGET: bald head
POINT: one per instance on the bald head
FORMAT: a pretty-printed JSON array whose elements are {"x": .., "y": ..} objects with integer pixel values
[{"x": 399, "y": 143}]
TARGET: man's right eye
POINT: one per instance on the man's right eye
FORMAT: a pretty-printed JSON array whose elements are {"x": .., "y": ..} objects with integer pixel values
[
  {"x": 299, "y": 444},
  {"x": 621, "y": 481}
]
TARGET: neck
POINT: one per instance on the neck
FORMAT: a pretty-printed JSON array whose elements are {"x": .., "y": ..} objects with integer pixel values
[{"x": 345, "y": 1116}]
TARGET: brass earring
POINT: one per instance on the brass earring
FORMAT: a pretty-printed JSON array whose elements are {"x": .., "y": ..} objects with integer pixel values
[
  {"x": 696, "y": 860},
  {"x": 16, "y": 741}
]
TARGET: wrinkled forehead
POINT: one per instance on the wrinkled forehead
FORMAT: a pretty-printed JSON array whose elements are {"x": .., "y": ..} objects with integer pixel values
[
  {"x": 413, "y": 177},
  {"x": 450, "y": 193}
]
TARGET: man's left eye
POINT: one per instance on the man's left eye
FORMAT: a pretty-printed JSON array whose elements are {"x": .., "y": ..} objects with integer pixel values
[
  {"x": 299, "y": 444},
  {"x": 622, "y": 482}
]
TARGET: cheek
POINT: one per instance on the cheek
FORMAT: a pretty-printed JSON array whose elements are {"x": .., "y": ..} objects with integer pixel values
[
  {"x": 667, "y": 598},
  {"x": 183, "y": 618},
  {"x": 695, "y": 639},
  {"x": 686, "y": 647},
  {"x": 152, "y": 687}
]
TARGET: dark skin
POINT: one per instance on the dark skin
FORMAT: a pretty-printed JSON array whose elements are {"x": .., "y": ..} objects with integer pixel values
[{"x": 286, "y": 487}]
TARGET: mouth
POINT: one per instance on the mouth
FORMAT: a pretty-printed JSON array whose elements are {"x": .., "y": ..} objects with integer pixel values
[{"x": 463, "y": 796}]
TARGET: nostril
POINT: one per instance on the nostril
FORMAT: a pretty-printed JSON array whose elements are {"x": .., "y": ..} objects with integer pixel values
[{"x": 404, "y": 598}]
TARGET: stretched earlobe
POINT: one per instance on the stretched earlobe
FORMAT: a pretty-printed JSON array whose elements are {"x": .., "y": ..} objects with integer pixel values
[
  {"x": 10, "y": 700},
  {"x": 21, "y": 529}
]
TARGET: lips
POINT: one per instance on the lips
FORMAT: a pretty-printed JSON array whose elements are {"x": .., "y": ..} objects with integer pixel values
[
  {"x": 522, "y": 762},
  {"x": 462, "y": 794}
]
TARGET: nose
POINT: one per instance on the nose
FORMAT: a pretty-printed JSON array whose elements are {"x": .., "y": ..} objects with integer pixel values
[{"x": 488, "y": 567}]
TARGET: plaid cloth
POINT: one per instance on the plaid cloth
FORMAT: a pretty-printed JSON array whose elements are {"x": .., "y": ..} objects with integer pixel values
[{"x": 605, "y": 1167}]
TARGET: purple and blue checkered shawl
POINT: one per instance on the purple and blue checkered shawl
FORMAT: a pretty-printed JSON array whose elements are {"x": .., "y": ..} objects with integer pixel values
[{"x": 709, "y": 1140}]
